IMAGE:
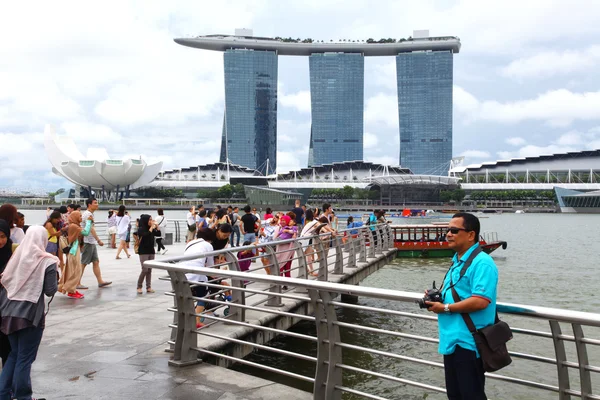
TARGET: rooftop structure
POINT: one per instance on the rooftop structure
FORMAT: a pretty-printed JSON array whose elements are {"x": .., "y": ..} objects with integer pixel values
[
  {"x": 96, "y": 170},
  {"x": 574, "y": 170},
  {"x": 222, "y": 42}
]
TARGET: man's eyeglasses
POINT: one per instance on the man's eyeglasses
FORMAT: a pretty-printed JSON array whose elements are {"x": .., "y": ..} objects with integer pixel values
[{"x": 455, "y": 231}]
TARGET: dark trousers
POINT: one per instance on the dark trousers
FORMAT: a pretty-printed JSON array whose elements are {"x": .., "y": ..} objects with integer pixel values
[
  {"x": 465, "y": 379},
  {"x": 4, "y": 348},
  {"x": 159, "y": 244},
  {"x": 15, "y": 380}
]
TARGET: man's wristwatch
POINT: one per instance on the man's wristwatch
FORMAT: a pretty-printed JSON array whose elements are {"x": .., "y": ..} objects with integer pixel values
[{"x": 447, "y": 308}]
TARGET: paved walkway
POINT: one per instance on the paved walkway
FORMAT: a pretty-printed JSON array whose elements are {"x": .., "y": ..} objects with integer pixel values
[{"x": 111, "y": 345}]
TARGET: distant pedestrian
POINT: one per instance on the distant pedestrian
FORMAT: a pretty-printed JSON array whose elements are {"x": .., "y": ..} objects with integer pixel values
[
  {"x": 147, "y": 232},
  {"x": 29, "y": 275},
  {"x": 235, "y": 224},
  {"x": 268, "y": 214},
  {"x": 191, "y": 224},
  {"x": 21, "y": 222},
  {"x": 52, "y": 226},
  {"x": 249, "y": 225},
  {"x": 6, "y": 251},
  {"x": 299, "y": 212},
  {"x": 112, "y": 228},
  {"x": 123, "y": 222},
  {"x": 161, "y": 223},
  {"x": 72, "y": 271},
  {"x": 9, "y": 213}
]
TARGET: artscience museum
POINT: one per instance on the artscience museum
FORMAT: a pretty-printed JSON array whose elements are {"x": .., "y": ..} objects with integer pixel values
[{"x": 96, "y": 171}]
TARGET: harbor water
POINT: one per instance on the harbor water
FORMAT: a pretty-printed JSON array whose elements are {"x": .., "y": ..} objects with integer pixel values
[{"x": 551, "y": 261}]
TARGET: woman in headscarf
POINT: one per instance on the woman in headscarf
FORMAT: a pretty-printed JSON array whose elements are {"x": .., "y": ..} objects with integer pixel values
[
  {"x": 6, "y": 252},
  {"x": 9, "y": 213},
  {"x": 72, "y": 271},
  {"x": 29, "y": 275},
  {"x": 147, "y": 232}
]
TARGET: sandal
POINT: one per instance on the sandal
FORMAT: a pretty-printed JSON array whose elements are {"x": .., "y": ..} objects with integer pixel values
[
  {"x": 150, "y": 290},
  {"x": 117, "y": 258},
  {"x": 139, "y": 291}
]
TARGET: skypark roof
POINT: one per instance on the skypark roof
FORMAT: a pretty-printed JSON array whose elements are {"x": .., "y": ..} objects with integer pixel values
[{"x": 225, "y": 42}]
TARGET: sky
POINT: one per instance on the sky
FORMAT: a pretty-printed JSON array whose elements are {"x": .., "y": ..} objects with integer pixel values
[{"x": 108, "y": 74}]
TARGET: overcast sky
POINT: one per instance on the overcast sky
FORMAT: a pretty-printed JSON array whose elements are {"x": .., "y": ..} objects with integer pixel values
[{"x": 526, "y": 80}]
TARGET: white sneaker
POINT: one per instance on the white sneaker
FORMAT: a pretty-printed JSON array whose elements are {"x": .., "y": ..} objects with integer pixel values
[{"x": 164, "y": 251}]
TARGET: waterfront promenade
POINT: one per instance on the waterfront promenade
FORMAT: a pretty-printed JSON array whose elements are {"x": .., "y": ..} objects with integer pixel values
[{"x": 111, "y": 345}]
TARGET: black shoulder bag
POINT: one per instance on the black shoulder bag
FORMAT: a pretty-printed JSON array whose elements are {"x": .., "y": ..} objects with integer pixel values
[{"x": 490, "y": 340}]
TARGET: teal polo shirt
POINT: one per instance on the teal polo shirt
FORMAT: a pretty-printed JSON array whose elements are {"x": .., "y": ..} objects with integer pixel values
[{"x": 480, "y": 279}]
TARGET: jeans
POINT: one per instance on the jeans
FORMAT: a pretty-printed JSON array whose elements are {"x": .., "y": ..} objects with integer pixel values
[
  {"x": 15, "y": 380},
  {"x": 249, "y": 237},
  {"x": 146, "y": 272},
  {"x": 465, "y": 379},
  {"x": 236, "y": 231}
]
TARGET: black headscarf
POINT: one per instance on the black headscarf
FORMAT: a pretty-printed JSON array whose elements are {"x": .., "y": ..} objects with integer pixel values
[
  {"x": 143, "y": 225},
  {"x": 6, "y": 251}
]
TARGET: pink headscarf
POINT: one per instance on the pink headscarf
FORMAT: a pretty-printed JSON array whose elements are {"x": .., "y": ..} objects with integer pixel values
[
  {"x": 286, "y": 219},
  {"x": 23, "y": 277}
]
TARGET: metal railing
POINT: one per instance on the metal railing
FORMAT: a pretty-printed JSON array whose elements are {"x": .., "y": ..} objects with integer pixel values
[
  {"x": 255, "y": 295},
  {"x": 174, "y": 226}
]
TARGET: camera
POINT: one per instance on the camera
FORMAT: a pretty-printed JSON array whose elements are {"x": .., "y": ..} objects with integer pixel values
[{"x": 433, "y": 295}]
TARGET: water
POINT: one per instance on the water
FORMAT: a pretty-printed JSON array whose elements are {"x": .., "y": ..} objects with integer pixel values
[{"x": 551, "y": 261}]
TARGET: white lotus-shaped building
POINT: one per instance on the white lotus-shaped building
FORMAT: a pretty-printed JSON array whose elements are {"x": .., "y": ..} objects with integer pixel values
[{"x": 97, "y": 170}]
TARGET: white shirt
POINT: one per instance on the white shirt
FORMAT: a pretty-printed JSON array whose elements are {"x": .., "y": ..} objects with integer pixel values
[
  {"x": 191, "y": 218},
  {"x": 162, "y": 223},
  {"x": 89, "y": 238},
  {"x": 198, "y": 246},
  {"x": 123, "y": 224}
]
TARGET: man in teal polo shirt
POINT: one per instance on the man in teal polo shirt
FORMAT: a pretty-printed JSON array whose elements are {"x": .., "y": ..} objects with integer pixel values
[{"x": 464, "y": 372}]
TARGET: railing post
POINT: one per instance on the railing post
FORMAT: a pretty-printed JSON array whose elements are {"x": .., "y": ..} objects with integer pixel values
[
  {"x": 301, "y": 257},
  {"x": 334, "y": 373},
  {"x": 319, "y": 389},
  {"x": 561, "y": 359},
  {"x": 274, "y": 301},
  {"x": 584, "y": 375},
  {"x": 185, "y": 338},
  {"x": 237, "y": 296},
  {"x": 319, "y": 245},
  {"x": 362, "y": 244},
  {"x": 351, "y": 252},
  {"x": 339, "y": 256},
  {"x": 380, "y": 239},
  {"x": 390, "y": 236},
  {"x": 371, "y": 250}
]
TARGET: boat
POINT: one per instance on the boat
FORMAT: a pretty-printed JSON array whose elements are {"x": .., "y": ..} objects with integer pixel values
[{"x": 429, "y": 241}]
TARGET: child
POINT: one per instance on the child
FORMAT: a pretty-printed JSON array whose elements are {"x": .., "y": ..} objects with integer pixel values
[{"x": 244, "y": 257}]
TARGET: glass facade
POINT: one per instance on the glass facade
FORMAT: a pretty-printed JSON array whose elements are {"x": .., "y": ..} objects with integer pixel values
[
  {"x": 337, "y": 102},
  {"x": 250, "y": 125},
  {"x": 425, "y": 110}
]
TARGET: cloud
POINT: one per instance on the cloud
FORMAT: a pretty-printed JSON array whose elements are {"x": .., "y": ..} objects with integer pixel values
[
  {"x": 556, "y": 108},
  {"x": 550, "y": 63},
  {"x": 382, "y": 109},
  {"x": 515, "y": 141},
  {"x": 475, "y": 154},
  {"x": 370, "y": 141},
  {"x": 300, "y": 100}
]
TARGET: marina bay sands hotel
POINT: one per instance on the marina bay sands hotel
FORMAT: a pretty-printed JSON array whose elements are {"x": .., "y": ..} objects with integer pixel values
[{"x": 424, "y": 79}]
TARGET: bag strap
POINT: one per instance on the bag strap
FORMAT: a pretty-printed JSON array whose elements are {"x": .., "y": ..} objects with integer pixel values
[{"x": 466, "y": 317}]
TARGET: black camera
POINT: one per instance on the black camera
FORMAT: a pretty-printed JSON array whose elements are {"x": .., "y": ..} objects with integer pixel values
[{"x": 433, "y": 295}]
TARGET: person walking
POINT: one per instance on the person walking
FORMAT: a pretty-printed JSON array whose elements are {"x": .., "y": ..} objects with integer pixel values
[
  {"x": 29, "y": 275},
  {"x": 54, "y": 232},
  {"x": 123, "y": 222},
  {"x": 162, "y": 223},
  {"x": 147, "y": 232},
  {"x": 191, "y": 224},
  {"x": 72, "y": 270},
  {"x": 89, "y": 254},
  {"x": 6, "y": 251},
  {"x": 111, "y": 222},
  {"x": 235, "y": 224}
]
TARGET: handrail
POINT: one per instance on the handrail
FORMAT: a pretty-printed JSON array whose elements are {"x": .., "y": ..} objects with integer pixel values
[{"x": 258, "y": 297}]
